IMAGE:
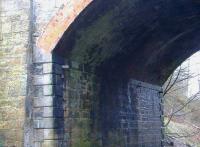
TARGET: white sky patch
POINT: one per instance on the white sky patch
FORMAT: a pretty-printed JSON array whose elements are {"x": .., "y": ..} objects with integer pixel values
[{"x": 194, "y": 69}]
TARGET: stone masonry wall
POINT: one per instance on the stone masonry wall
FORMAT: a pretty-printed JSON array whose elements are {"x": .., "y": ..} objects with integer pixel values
[
  {"x": 131, "y": 114},
  {"x": 14, "y": 43},
  {"x": 110, "y": 112},
  {"x": 147, "y": 98},
  {"x": 66, "y": 105},
  {"x": 45, "y": 126},
  {"x": 81, "y": 107},
  {"x": 47, "y": 115},
  {"x": 21, "y": 22}
]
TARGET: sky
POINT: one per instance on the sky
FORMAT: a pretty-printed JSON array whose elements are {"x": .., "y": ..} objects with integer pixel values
[{"x": 194, "y": 68}]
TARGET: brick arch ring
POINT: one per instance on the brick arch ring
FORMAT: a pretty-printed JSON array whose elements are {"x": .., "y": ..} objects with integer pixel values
[{"x": 60, "y": 23}]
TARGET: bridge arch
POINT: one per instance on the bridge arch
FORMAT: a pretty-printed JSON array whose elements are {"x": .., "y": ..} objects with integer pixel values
[
  {"x": 118, "y": 53},
  {"x": 151, "y": 37}
]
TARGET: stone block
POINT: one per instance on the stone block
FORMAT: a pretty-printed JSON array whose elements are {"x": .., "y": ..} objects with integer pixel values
[
  {"x": 38, "y": 124},
  {"x": 38, "y": 144},
  {"x": 48, "y": 101},
  {"x": 48, "y": 79},
  {"x": 38, "y": 80},
  {"x": 54, "y": 143},
  {"x": 52, "y": 68},
  {"x": 48, "y": 90},
  {"x": 53, "y": 134},
  {"x": 6, "y": 27},
  {"x": 37, "y": 91},
  {"x": 53, "y": 90},
  {"x": 38, "y": 112},
  {"x": 37, "y": 69},
  {"x": 53, "y": 112},
  {"x": 48, "y": 112},
  {"x": 47, "y": 68},
  {"x": 38, "y": 135},
  {"x": 40, "y": 57},
  {"x": 44, "y": 102},
  {"x": 49, "y": 123}
]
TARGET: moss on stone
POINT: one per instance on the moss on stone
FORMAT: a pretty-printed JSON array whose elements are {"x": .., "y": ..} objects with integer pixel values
[
  {"x": 91, "y": 47},
  {"x": 81, "y": 104},
  {"x": 81, "y": 134}
]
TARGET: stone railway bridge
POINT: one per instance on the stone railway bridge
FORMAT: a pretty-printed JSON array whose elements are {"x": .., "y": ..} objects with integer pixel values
[{"x": 88, "y": 73}]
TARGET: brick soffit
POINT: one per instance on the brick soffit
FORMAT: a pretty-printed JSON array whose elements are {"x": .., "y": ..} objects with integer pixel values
[{"x": 59, "y": 24}]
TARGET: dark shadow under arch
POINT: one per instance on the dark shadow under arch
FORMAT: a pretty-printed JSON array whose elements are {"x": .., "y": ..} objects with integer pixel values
[
  {"x": 113, "y": 42},
  {"x": 147, "y": 40}
]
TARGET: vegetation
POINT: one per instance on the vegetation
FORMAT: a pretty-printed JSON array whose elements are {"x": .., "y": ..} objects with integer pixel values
[{"x": 182, "y": 122}]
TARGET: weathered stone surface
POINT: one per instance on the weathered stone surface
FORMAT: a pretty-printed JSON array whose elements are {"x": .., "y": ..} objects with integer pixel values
[
  {"x": 14, "y": 40},
  {"x": 131, "y": 114},
  {"x": 81, "y": 93},
  {"x": 52, "y": 68},
  {"x": 48, "y": 123}
]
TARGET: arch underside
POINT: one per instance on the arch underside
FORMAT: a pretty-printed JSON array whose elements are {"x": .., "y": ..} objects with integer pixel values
[
  {"x": 144, "y": 40},
  {"x": 112, "y": 46}
]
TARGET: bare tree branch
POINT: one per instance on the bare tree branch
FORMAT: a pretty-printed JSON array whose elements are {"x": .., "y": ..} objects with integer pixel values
[{"x": 181, "y": 108}]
